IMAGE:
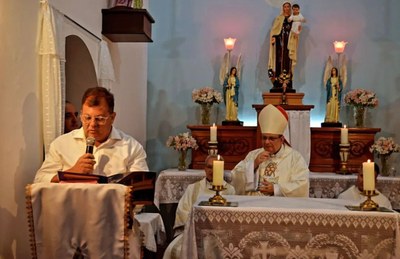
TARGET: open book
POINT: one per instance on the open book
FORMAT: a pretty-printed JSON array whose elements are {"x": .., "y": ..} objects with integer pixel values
[{"x": 69, "y": 177}]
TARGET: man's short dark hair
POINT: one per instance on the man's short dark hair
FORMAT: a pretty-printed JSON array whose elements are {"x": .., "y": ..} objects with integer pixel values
[
  {"x": 295, "y": 5},
  {"x": 94, "y": 95}
]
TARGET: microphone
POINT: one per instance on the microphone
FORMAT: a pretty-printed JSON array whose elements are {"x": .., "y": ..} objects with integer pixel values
[{"x": 89, "y": 145}]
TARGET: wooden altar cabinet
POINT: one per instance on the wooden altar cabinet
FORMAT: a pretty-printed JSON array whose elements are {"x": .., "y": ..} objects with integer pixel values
[
  {"x": 325, "y": 148},
  {"x": 234, "y": 142}
]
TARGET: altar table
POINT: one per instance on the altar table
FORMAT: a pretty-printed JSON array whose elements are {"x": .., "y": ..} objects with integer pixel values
[
  {"x": 171, "y": 184},
  {"x": 264, "y": 227}
]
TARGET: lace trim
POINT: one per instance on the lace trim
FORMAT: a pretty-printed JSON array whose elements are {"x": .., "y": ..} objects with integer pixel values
[
  {"x": 293, "y": 217},
  {"x": 127, "y": 220},
  {"x": 31, "y": 226}
]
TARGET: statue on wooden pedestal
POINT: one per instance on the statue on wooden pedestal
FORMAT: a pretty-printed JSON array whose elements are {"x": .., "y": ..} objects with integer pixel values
[{"x": 283, "y": 51}]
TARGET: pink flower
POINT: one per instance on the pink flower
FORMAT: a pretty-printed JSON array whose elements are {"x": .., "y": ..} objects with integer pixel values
[
  {"x": 361, "y": 98},
  {"x": 384, "y": 146},
  {"x": 206, "y": 95},
  {"x": 182, "y": 141}
]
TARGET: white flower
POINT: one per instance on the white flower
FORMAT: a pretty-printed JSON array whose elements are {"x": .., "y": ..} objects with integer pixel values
[
  {"x": 206, "y": 95},
  {"x": 384, "y": 146},
  {"x": 182, "y": 141},
  {"x": 361, "y": 98}
]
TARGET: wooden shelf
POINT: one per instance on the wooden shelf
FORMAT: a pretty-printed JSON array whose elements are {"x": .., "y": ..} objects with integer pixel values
[{"x": 126, "y": 24}]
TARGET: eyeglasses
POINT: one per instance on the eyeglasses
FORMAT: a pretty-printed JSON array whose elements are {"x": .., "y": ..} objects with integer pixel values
[
  {"x": 265, "y": 138},
  {"x": 99, "y": 120}
]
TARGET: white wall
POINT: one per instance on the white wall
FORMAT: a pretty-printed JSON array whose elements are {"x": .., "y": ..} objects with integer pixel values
[
  {"x": 21, "y": 145},
  {"x": 20, "y": 151}
]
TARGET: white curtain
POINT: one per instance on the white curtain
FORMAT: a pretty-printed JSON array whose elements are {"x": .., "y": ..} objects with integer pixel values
[
  {"x": 106, "y": 69},
  {"x": 298, "y": 132},
  {"x": 52, "y": 91}
]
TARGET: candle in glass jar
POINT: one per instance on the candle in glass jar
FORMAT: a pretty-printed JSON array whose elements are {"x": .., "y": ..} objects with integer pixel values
[
  {"x": 213, "y": 133},
  {"x": 218, "y": 172},
  {"x": 344, "y": 135},
  {"x": 368, "y": 176}
]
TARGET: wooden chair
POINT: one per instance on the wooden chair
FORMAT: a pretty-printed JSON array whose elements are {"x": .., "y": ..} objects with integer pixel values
[{"x": 143, "y": 188}]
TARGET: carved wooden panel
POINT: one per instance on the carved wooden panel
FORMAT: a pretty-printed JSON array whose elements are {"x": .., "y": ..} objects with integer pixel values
[
  {"x": 234, "y": 142},
  {"x": 325, "y": 148}
]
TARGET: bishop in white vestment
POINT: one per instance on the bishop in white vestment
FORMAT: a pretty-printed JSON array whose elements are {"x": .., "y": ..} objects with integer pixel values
[{"x": 276, "y": 168}]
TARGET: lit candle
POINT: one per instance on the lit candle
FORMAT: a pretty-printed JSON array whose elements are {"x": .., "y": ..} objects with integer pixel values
[
  {"x": 213, "y": 133},
  {"x": 344, "y": 135},
  {"x": 368, "y": 176},
  {"x": 218, "y": 172}
]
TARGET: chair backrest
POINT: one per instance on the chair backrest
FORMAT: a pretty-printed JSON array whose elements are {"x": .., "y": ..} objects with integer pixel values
[{"x": 143, "y": 186}]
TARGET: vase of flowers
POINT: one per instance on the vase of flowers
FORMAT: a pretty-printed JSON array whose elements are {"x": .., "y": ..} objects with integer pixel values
[
  {"x": 360, "y": 114},
  {"x": 361, "y": 99},
  {"x": 384, "y": 147},
  {"x": 182, "y": 143},
  {"x": 206, "y": 97}
]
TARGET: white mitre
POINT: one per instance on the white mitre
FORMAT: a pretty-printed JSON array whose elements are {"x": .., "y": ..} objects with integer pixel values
[{"x": 273, "y": 120}]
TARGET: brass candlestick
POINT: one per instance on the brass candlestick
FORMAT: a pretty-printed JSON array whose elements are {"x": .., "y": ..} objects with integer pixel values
[
  {"x": 213, "y": 148},
  {"x": 369, "y": 204},
  {"x": 344, "y": 154},
  {"x": 217, "y": 199}
]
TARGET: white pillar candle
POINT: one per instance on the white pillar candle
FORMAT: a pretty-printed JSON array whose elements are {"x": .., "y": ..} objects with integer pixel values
[
  {"x": 368, "y": 176},
  {"x": 344, "y": 135},
  {"x": 213, "y": 133},
  {"x": 218, "y": 172}
]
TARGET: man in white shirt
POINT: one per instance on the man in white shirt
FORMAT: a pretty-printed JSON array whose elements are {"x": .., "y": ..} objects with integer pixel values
[
  {"x": 275, "y": 169},
  {"x": 186, "y": 203},
  {"x": 113, "y": 152},
  {"x": 354, "y": 192}
]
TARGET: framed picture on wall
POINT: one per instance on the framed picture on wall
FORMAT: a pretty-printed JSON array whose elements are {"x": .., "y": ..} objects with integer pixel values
[{"x": 122, "y": 3}]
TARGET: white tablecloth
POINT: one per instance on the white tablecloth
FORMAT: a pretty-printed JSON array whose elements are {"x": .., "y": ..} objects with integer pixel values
[
  {"x": 90, "y": 218},
  {"x": 279, "y": 227},
  {"x": 171, "y": 184},
  {"x": 151, "y": 224}
]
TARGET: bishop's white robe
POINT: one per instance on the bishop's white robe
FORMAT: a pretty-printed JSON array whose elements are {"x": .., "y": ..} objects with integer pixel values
[{"x": 290, "y": 176}]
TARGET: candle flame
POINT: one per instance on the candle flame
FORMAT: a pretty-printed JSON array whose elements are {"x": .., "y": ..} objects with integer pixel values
[
  {"x": 339, "y": 46},
  {"x": 369, "y": 161},
  {"x": 219, "y": 157},
  {"x": 229, "y": 43},
  {"x": 344, "y": 126}
]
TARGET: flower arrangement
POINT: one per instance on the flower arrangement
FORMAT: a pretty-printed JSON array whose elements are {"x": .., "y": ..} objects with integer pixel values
[
  {"x": 384, "y": 146},
  {"x": 182, "y": 141},
  {"x": 361, "y": 98},
  {"x": 206, "y": 95}
]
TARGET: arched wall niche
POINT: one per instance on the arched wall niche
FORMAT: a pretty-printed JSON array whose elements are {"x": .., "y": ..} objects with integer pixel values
[{"x": 80, "y": 72}]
